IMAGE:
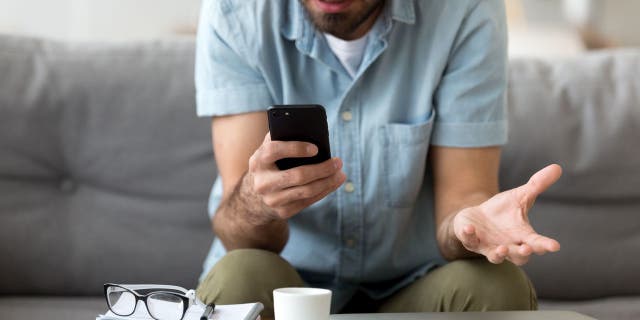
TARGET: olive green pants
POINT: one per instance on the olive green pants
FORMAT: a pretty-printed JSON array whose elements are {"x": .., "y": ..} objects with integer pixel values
[{"x": 250, "y": 275}]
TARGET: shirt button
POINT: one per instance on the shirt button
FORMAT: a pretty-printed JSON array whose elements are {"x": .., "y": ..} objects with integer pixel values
[
  {"x": 349, "y": 187},
  {"x": 347, "y": 116}
]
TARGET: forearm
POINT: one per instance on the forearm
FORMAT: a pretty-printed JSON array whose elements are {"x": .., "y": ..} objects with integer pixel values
[{"x": 242, "y": 221}]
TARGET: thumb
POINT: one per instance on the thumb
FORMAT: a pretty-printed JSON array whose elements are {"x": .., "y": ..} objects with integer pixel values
[{"x": 542, "y": 180}]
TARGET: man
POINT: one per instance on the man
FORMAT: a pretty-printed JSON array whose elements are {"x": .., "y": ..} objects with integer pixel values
[{"x": 414, "y": 92}]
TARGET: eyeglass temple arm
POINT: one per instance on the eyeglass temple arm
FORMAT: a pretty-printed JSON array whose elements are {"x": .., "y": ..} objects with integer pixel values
[
  {"x": 191, "y": 294},
  {"x": 154, "y": 286}
]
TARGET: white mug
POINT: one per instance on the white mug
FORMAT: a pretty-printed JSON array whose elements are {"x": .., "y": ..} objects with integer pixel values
[{"x": 301, "y": 304}]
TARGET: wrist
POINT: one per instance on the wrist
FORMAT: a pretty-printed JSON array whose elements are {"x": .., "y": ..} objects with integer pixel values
[
  {"x": 450, "y": 245},
  {"x": 252, "y": 208},
  {"x": 241, "y": 221},
  {"x": 446, "y": 237}
]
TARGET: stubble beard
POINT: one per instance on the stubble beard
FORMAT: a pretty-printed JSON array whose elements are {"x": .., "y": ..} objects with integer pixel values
[{"x": 342, "y": 25}]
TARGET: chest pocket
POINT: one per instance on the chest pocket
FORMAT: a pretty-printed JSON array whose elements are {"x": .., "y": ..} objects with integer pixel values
[{"x": 405, "y": 159}]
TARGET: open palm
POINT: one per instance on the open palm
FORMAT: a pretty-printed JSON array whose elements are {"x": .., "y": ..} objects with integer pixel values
[{"x": 499, "y": 228}]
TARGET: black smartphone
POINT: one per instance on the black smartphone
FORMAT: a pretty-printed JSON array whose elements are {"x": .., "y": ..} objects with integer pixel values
[{"x": 307, "y": 123}]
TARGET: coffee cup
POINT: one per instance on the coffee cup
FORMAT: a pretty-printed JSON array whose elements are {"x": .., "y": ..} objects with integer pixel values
[{"x": 301, "y": 303}]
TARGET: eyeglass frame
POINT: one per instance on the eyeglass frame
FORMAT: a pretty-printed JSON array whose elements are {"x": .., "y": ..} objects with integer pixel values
[{"x": 187, "y": 297}]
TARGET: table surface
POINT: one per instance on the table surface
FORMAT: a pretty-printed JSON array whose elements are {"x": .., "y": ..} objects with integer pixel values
[{"x": 501, "y": 315}]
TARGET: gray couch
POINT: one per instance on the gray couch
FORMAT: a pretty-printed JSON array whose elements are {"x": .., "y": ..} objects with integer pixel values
[{"x": 105, "y": 171}]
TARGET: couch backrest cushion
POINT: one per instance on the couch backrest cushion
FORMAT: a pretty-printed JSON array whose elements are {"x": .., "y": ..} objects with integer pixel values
[
  {"x": 105, "y": 171},
  {"x": 583, "y": 113},
  {"x": 104, "y": 167}
]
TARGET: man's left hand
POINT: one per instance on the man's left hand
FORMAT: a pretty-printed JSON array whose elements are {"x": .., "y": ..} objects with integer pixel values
[{"x": 499, "y": 228}]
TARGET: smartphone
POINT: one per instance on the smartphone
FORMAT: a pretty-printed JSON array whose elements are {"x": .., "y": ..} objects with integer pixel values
[{"x": 307, "y": 123}]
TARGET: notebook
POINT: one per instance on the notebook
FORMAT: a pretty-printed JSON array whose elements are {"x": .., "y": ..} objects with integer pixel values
[{"x": 247, "y": 311}]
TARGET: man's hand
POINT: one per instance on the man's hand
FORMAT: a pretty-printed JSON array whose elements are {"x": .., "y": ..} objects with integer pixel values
[
  {"x": 258, "y": 198},
  {"x": 499, "y": 228},
  {"x": 284, "y": 193}
]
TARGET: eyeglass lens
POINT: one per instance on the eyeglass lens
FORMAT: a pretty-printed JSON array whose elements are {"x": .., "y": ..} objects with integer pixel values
[
  {"x": 121, "y": 301},
  {"x": 165, "y": 306}
]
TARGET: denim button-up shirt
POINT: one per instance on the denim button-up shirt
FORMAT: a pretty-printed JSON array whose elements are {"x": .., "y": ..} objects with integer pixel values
[{"x": 433, "y": 73}]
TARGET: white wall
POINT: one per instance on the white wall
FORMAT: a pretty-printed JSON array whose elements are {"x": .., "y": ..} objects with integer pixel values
[
  {"x": 618, "y": 20},
  {"x": 146, "y": 19},
  {"x": 99, "y": 19},
  {"x": 35, "y": 16}
]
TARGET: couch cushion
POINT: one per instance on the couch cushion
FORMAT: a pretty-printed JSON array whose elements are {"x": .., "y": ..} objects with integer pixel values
[
  {"x": 583, "y": 113},
  {"x": 104, "y": 167}
]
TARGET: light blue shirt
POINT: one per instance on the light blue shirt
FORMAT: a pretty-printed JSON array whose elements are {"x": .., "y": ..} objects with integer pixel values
[{"x": 433, "y": 73}]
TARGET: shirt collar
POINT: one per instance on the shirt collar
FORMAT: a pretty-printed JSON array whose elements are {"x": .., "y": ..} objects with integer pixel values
[{"x": 293, "y": 25}]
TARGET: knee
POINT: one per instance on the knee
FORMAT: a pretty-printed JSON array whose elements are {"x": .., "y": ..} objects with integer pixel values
[
  {"x": 248, "y": 264},
  {"x": 487, "y": 286},
  {"x": 247, "y": 275},
  {"x": 241, "y": 272}
]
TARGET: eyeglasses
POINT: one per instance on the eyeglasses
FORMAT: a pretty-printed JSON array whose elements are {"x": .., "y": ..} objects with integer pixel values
[{"x": 161, "y": 301}]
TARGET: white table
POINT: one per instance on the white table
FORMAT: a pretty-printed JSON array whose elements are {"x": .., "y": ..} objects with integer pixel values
[{"x": 502, "y": 315}]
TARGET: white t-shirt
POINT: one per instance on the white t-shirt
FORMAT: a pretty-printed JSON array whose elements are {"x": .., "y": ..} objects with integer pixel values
[{"x": 349, "y": 52}]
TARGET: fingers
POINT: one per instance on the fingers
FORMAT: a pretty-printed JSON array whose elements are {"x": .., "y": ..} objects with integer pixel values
[
  {"x": 276, "y": 180},
  {"x": 306, "y": 191},
  {"x": 287, "y": 192},
  {"x": 302, "y": 175},
  {"x": 542, "y": 180},
  {"x": 291, "y": 208},
  {"x": 541, "y": 244},
  {"x": 471, "y": 242},
  {"x": 272, "y": 151},
  {"x": 468, "y": 238},
  {"x": 497, "y": 255},
  {"x": 519, "y": 254}
]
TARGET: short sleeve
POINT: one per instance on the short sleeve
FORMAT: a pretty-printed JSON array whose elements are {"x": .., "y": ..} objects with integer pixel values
[
  {"x": 228, "y": 80},
  {"x": 470, "y": 99}
]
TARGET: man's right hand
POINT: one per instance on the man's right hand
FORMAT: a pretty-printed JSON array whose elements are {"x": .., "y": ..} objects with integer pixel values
[
  {"x": 284, "y": 193},
  {"x": 258, "y": 198}
]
